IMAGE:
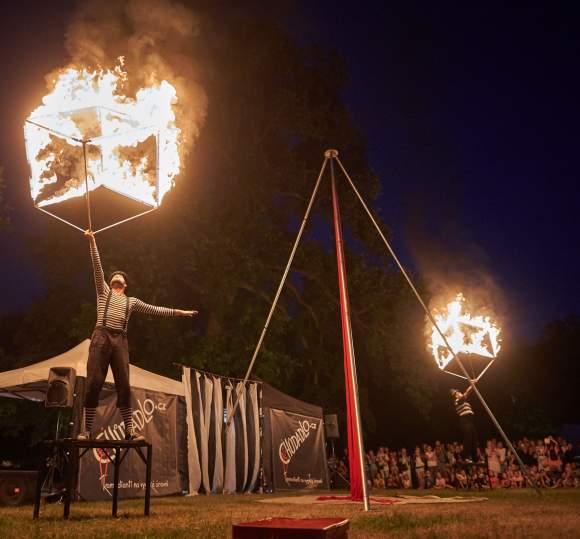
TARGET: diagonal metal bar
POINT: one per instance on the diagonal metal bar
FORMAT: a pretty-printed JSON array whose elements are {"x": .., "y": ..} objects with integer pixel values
[
  {"x": 277, "y": 296},
  {"x": 59, "y": 218},
  {"x": 124, "y": 221},
  {"x": 432, "y": 320}
]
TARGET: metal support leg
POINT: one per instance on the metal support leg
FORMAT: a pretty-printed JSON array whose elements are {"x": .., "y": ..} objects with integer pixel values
[
  {"x": 68, "y": 480},
  {"x": 148, "y": 479},
  {"x": 39, "y": 482},
  {"x": 117, "y": 464}
]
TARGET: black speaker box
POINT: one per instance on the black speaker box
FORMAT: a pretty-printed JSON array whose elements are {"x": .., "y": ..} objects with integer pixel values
[
  {"x": 17, "y": 487},
  {"x": 61, "y": 387},
  {"x": 331, "y": 427}
]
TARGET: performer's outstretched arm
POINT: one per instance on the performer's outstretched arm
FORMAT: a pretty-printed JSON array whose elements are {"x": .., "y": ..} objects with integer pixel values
[
  {"x": 100, "y": 284},
  {"x": 145, "y": 308}
]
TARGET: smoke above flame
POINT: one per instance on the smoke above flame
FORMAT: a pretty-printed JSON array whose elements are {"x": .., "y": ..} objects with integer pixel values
[
  {"x": 465, "y": 332},
  {"x": 128, "y": 104}
]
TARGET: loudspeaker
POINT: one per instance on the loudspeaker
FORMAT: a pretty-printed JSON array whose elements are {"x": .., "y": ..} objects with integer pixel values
[
  {"x": 331, "y": 427},
  {"x": 17, "y": 487},
  {"x": 61, "y": 386}
]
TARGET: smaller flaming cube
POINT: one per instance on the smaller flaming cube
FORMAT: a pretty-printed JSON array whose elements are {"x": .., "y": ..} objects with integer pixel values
[{"x": 75, "y": 151}]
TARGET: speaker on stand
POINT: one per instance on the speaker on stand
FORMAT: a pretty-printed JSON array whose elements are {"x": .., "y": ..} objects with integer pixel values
[
  {"x": 331, "y": 432},
  {"x": 59, "y": 394}
]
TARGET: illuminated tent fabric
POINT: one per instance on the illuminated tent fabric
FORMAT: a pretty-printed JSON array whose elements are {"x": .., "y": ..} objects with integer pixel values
[
  {"x": 203, "y": 455},
  {"x": 30, "y": 382},
  {"x": 159, "y": 412}
]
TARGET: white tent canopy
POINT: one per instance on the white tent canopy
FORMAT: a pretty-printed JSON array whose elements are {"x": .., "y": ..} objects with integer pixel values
[{"x": 30, "y": 382}]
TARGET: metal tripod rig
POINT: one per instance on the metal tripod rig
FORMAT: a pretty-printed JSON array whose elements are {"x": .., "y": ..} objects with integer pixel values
[{"x": 330, "y": 158}]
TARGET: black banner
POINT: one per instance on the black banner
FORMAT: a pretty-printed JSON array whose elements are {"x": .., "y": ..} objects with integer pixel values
[
  {"x": 297, "y": 451},
  {"x": 156, "y": 416}
]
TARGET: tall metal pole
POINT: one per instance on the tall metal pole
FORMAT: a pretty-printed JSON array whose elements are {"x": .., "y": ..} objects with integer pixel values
[
  {"x": 349, "y": 357},
  {"x": 436, "y": 326},
  {"x": 277, "y": 296}
]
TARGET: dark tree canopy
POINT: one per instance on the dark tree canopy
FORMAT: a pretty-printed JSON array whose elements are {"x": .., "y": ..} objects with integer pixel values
[{"x": 221, "y": 239}]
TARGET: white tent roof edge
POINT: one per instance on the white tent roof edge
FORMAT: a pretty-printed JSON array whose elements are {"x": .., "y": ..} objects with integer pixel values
[{"x": 77, "y": 358}]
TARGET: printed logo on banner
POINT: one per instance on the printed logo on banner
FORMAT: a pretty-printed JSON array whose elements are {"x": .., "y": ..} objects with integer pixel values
[
  {"x": 142, "y": 416},
  {"x": 155, "y": 414},
  {"x": 289, "y": 446},
  {"x": 299, "y": 447}
]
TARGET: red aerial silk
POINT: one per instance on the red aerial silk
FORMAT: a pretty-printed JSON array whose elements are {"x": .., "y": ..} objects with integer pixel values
[{"x": 356, "y": 475}]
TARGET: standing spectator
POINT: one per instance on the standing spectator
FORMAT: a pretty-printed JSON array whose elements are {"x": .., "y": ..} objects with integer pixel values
[
  {"x": 419, "y": 463},
  {"x": 383, "y": 462},
  {"x": 501, "y": 454},
  {"x": 441, "y": 455},
  {"x": 432, "y": 463}
]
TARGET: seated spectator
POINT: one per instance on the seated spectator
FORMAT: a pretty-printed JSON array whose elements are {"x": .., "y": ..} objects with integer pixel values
[
  {"x": 461, "y": 479},
  {"x": 378, "y": 481},
  {"x": 393, "y": 481},
  {"x": 405, "y": 479},
  {"x": 440, "y": 482},
  {"x": 429, "y": 480}
]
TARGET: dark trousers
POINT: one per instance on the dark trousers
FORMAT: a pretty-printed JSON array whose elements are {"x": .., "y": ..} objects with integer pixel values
[
  {"x": 469, "y": 436},
  {"x": 108, "y": 348}
]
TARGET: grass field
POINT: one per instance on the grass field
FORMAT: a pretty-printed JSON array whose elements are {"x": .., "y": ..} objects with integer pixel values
[{"x": 514, "y": 513}]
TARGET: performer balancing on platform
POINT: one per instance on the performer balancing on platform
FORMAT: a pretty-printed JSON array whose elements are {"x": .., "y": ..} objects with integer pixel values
[
  {"x": 466, "y": 416},
  {"x": 109, "y": 342}
]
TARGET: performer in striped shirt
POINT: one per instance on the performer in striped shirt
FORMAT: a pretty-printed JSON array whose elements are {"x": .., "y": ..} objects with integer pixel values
[
  {"x": 109, "y": 342},
  {"x": 466, "y": 415}
]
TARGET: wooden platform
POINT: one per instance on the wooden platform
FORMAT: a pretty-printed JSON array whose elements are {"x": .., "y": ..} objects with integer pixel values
[{"x": 291, "y": 528}]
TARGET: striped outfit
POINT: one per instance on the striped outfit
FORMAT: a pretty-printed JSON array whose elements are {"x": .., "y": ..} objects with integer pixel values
[
  {"x": 118, "y": 306},
  {"x": 462, "y": 407},
  {"x": 465, "y": 412},
  {"x": 109, "y": 345}
]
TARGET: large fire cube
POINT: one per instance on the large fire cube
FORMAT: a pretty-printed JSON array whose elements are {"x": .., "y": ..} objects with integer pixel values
[{"x": 70, "y": 152}]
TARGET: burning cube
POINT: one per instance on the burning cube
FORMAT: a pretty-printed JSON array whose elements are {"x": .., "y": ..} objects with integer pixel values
[{"x": 75, "y": 151}]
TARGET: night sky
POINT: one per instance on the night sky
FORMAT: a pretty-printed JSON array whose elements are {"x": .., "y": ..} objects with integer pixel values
[{"x": 471, "y": 116}]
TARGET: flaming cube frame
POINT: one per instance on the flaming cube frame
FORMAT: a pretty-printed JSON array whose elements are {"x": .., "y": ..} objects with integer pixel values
[
  {"x": 446, "y": 362},
  {"x": 74, "y": 152}
]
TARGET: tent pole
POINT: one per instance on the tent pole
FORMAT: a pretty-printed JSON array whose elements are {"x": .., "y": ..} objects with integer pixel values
[{"x": 277, "y": 296}]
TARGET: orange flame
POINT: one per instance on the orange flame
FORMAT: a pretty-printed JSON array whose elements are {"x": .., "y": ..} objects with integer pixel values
[
  {"x": 464, "y": 332},
  {"x": 128, "y": 144}
]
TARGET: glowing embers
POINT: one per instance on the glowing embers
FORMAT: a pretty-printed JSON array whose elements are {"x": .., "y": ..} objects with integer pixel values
[
  {"x": 475, "y": 337},
  {"x": 88, "y": 134}
]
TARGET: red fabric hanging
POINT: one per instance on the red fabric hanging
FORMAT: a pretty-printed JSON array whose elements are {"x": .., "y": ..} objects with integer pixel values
[{"x": 356, "y": 475}]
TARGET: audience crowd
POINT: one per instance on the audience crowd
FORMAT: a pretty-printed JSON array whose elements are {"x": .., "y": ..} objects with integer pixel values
[{"x": 551, "y": 463}]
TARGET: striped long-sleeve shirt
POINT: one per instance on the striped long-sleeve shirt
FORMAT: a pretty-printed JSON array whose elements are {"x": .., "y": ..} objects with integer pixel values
[
  {"x": 462, "y": 407},
  {"x": 119, "y": 306}
]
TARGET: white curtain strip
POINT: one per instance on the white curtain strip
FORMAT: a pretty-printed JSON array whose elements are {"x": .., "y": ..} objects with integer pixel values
[
  {"x": 230, "y": 475},
  {"x": 206, "y": 386},
  {"x": 255, "y": 425},
  {"x": 193, "y": 467},
  {"x": 241, "y": 391},
  {"x": 218, "y": 412}
]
